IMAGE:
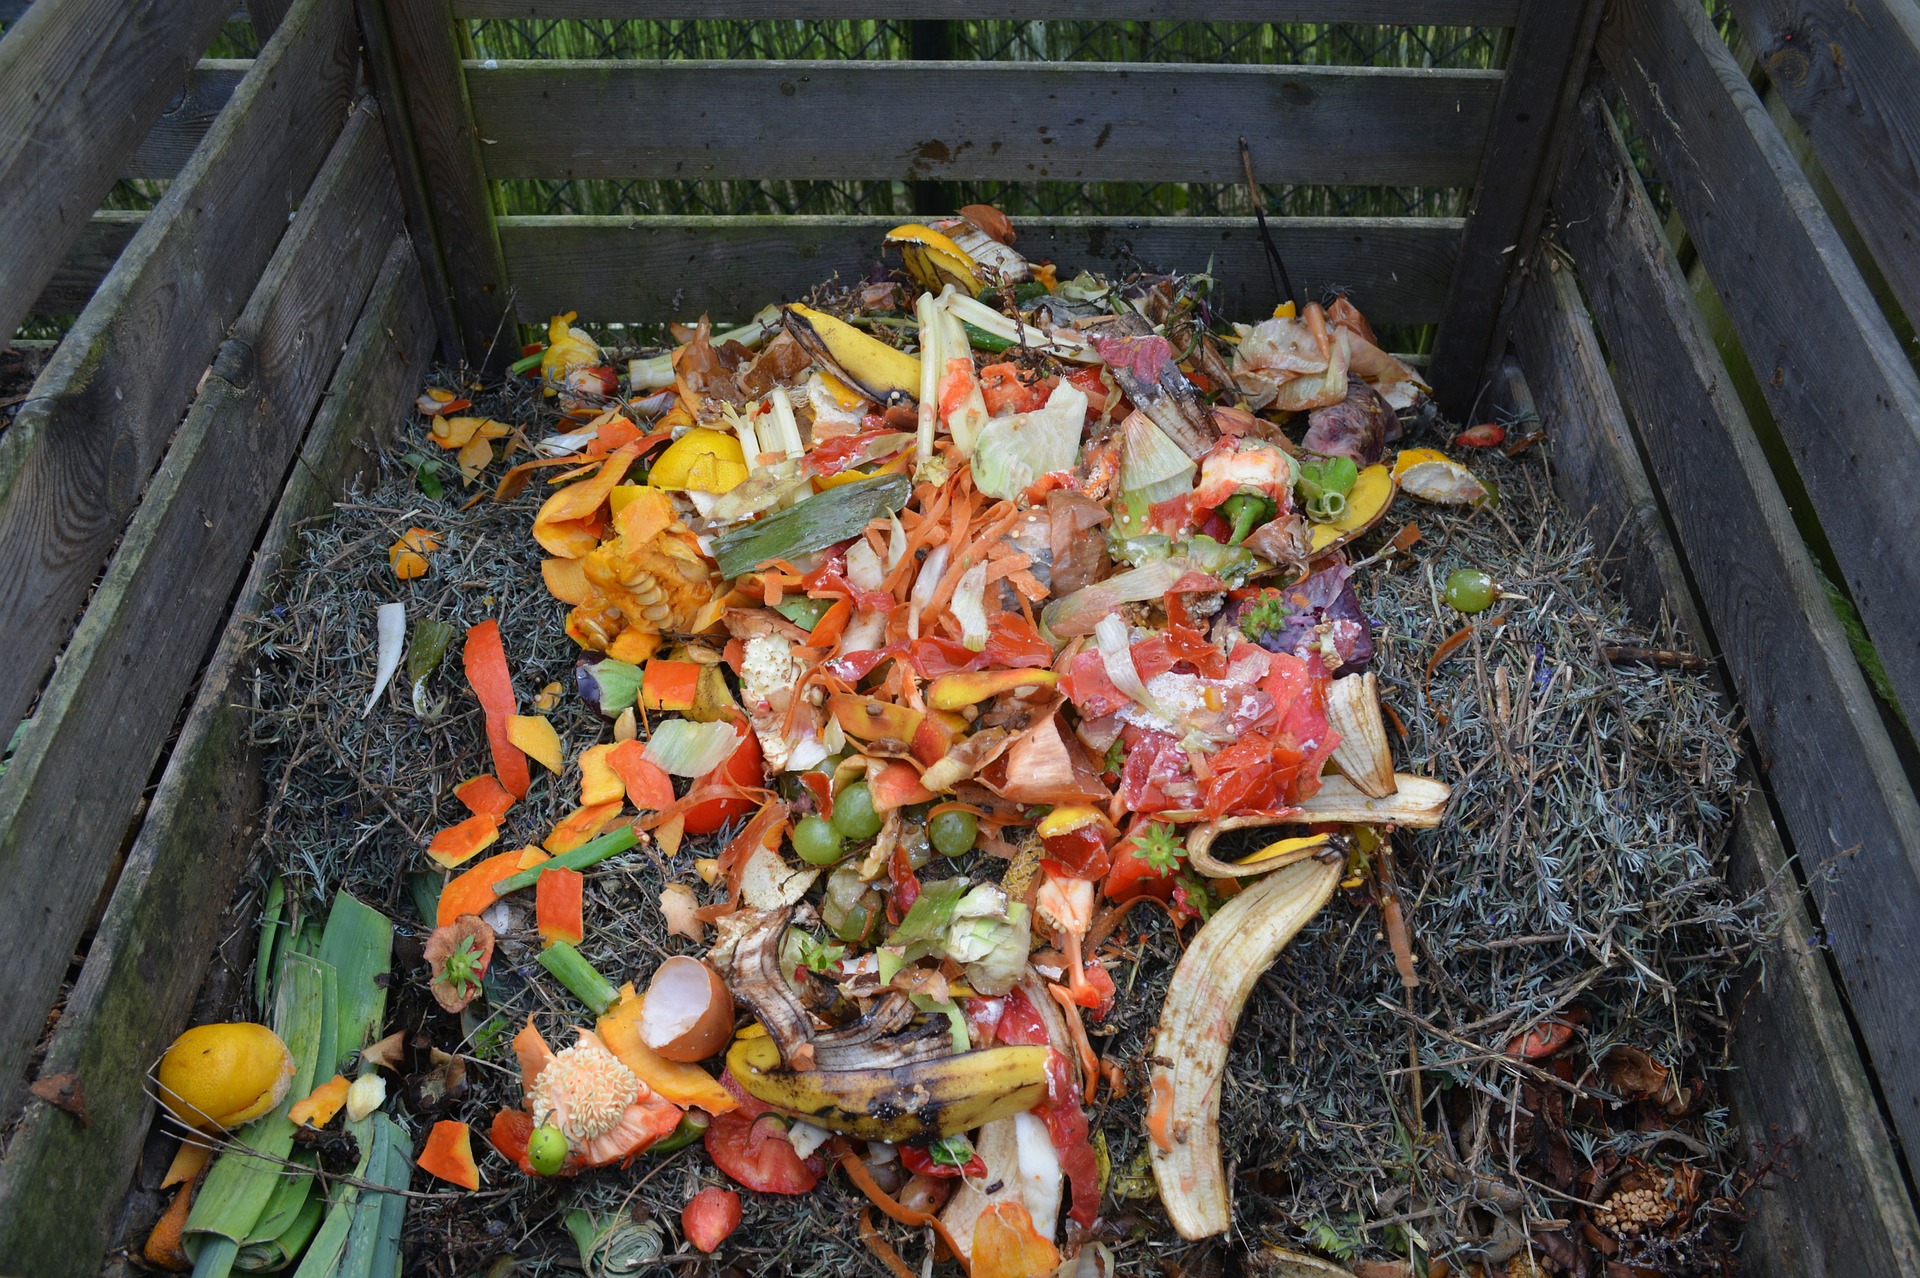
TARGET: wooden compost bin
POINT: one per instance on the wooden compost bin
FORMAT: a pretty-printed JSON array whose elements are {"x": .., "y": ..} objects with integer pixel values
[{"x": 242, "y": 349}]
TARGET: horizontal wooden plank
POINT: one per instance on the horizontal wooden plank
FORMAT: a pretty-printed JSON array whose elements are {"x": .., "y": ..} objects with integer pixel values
[
  {"x": 98, "y": 247},
  {"x": 1845, "y": 396},
  {"x": 989, "y": 121},
  {"x": 80, "y": 83},
  {"x": 76, "y": 457},
  {"x": 60, "y": 1184},
  {"x": 655, "y": 268},
  {"x": 1846, "y": 71},
  {"x": 187, "y": 117},
  {"x": 77, "y": 776},
  {"x": 1839, "y": 1206},
  {"x": 1842, "y": 791},
  {"x": 1491, "y": 13}
]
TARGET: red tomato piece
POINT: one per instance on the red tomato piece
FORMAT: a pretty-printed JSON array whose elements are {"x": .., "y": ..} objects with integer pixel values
[
  {"x": 742, "y": 768},
  {"x": 916, "y": 1159},
  {"x": 1145, "y": 863},
  {"x": 754, "y": 1150},
  {"x": 1004, "y": 391},
  {"x": 710, "y": 1216}
]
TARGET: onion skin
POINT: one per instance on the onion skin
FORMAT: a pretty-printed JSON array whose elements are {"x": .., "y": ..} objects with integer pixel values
[{"x": 709, "y": 1034}]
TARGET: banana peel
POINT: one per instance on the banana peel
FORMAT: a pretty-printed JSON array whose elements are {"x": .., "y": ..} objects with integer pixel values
[
  {"x": 869, "y": 365},
  {"x": 934, "y": 260},
  {"x": 1209, "y": 989},
  {"x": 921, "y": 1100}
]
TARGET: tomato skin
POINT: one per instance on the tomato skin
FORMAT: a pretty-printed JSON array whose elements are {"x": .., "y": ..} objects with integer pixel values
[
  {"x": 1004, "y": 391},
  {"x": 750, "y": 1152},
  {"x": 710, "y": 1216},
  {"x": 1079, "y": 853},
  {"x": 742, "y": 768},
  {"x": 1134, "y": 875}
]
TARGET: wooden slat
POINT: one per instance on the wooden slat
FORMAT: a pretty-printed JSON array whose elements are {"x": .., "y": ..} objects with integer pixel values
[
  {"x": 187, "y": 117},
  {"x": 990, "y": 121},
  {"x": 93, "y": 254},
  {"x": 61, "y": 1184},
  {"x": 654, "y": 268},
  {"x": 78, "y": 773},
  {"x": 74, "y": 460},
  {"x": 1845, "y": 397},
  {"x": 80, "y": 82},
  {"x": 1846, "y": 70},
  {"x": 1493, "y": 13},
  {"x": 426, "y": 62},
  {"x": 1843, "y": 794},
  {"x": 1839, "y": 1206},
  {"x": 1545, "y": 68}
]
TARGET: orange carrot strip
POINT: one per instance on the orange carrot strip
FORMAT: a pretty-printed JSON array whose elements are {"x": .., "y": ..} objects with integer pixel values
[
  {"x": 485, "y": 658},
  {"x": 883, "y": 1249},
  {"x": 832, "y": 624},
  {"x": 857, "y": 1173},
  {"x": 559, "y": 906}
]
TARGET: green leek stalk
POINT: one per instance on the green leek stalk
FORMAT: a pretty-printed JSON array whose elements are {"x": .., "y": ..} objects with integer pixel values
[
  {"x": 810, "y": 526},
  {"x": 358, "y": 943},
  {"x": 592, "y": 852},
  {"x": 373, "y": 1239},
  {"x": 330, "y": 1240},
  {"x": 274, "y": 1254},
  {"x": 569, "y": 967},
  {"x": 271, "y": 915},
  {"x": 290, "y": 1198}
]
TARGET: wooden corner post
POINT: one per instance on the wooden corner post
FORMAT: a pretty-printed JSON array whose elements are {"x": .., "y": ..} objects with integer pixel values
[
  {"x": 1551, "y": 43},
  {"x": 416, "y": 67}
]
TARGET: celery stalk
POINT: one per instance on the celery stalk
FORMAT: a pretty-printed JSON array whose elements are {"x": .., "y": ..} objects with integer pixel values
[
  {"x": 572, "y": 970},
  {"x": 358, "y": 943},
  {"x": 589, "y": 853}
]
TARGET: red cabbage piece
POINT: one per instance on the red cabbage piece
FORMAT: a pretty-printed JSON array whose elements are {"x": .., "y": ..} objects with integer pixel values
[
  {"x": 1359, "y": 426},
  {"x": 1315, "y": 615}
]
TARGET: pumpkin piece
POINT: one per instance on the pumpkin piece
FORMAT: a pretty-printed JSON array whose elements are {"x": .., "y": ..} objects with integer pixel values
[
  {"x": 615, "y": 432},
  {"x": 321, "y": 1104},
  {"x": 485, "y": 659},
  {"x": 533, "y": 735},
  {"x": 682, "y": 1084},
  {"x": 566, "y": 581},
  {"x": 408, "y": 556},
  {"x": 634, "y": 645},
  {"x": 648, "y": 786},
  {"x": 670, "y": 685},
  {"x": 484, "y": 796},
  {"x": 565, "y": 524},
  {"x": 580, "y": 825},
  {"x": 472, "y": 892},
  {"x": 559, "y": 906},
  {"x": 474, "y": 458},
  {"x": 896, "y": 785},
  {"x": 458, "y": 844},
  {"x": 599, "y": 783},
  {"x": 449, "y": 1154}
]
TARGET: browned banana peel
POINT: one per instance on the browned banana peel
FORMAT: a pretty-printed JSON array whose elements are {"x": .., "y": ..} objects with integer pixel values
[
  {"x": 1416, "y": 802},
  {"x": 1275, "y": 856},
  {"x": 1353, "y": 710},
  {"x": 1197, "y": 1023}
]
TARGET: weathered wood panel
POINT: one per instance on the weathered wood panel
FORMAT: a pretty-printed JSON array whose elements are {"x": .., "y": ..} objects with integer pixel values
[
  {"x": 80, "y": 82},
  {"x": 1846, "y": 70},
  {"x": 93, "y": 254},
  {"x": 186, "y": 118},
  {"x": 1843, "y": 794},
  {"x": 1490, "y": 13},
  {"x": 641, "y": 268},
  {"x": 426, "y": 72},
  {"x": 76, "y": 457},
  {"x": 1839, "y": 1206},
  {"x": 1007, "y": 121},
  {"x": 1845, "y": 397},
  {"x": 60, "y": 1185},
  {"x": 80, "y": 768},
  {"x": 1545, "y": 68}
]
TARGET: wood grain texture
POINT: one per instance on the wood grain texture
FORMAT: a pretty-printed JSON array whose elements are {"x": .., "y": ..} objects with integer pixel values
[
  {"x": 1846, "y": 70},
  {"x": 77, "y": 776},
  {"x": 1845, "y": 397},
  {"x": 60, "y": 1185},
  {"x": 652, "y": 268},
  {"x": 186, "y": 118},
  {"x": 1548, "y": 62},
  {"x": 98, "y": 247},
  {"x": 80, "y": 82},
  {"x": 1492, "y": 13},
  {"x": 426, "y": 62},
  {"x": 1845, "y": 799},
  {"x": 76, "y": 457},
  {"x": 1801, "y": 1092},
  {"x": 990, "y": 121}
]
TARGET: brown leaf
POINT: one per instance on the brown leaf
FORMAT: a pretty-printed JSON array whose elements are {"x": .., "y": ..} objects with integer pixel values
[{"x": 62, "y": 1091}]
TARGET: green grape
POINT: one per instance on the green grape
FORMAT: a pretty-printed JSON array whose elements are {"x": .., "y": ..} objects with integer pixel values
[
  {"x": 1469, "y": 590},
  {"x": 547, "y": 1151},
  {"x": 817, "y": 842},
  {"x": 851, "y": 910},
  {"x": 953, "y": 832},
  {"x": 853, "y": 813}
]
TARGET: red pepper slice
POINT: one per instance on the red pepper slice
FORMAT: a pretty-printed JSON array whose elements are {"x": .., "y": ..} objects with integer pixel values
[{"x": 917, "y": 1160}]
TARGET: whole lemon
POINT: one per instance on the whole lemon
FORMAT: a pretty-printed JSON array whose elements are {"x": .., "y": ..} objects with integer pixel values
[{"x": 220, "y": 1076}]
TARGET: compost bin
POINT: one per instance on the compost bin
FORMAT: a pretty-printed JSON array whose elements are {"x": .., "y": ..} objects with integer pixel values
[{"x": 1668, "y": 309}]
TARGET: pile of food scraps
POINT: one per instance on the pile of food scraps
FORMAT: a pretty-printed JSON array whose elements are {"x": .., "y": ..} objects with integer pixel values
[{"x": 840, "y": 793}]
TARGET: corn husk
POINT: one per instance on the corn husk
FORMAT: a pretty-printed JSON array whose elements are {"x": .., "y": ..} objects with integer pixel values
[
  {"x": 1417, "y": 803},
  {"x": 1353, "y": 710}
]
